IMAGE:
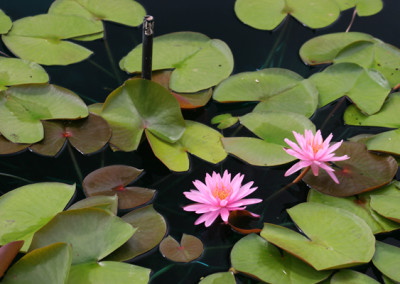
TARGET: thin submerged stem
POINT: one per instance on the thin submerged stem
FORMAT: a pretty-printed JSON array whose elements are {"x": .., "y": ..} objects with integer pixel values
[
  {"x": 111, "y": 58},
  {"x": 352, "y": 20},
  {"x": 16, "y": 177},
  {"x": 102, "y": 68},
  {"x": 75, "y": 163},
  {"x": 337, "y": 106},
  {"x": 161, "y": 271}
]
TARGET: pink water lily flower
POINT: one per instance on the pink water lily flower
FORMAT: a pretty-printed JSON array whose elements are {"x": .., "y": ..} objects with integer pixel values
[
  {"x": 313, "y": 151},
  {"x": 218, "y": 196}
]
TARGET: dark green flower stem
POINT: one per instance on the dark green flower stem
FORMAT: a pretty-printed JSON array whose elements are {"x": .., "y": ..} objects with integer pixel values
[
  {"x": 16, "y": 177},
  {"x": 161, "y": 271},
  {"x": 75, "y": 163}
]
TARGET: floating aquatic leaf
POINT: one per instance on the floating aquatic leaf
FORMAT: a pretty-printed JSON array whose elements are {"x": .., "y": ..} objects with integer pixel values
[
  {"x": 387, "y": 259},
  {"x": 5, "y": 23},
  {"x": 7, "y": 254},
  {"x": 198, "y": 139},
  {"x": 347, "y": 276},
  {"x": 49, "y": 264},
  {"x": 24, "y": 107},
  {"x": 198, "y": 61},
  {"x": 363, "y": 7},
  {"x": 151, "y": 229},
  {"x": 41, "y": 38},
  {"x": 224, "y": 120},
  {"x": 255, "y": 256},
  {"x": 8, "y": 147},
  {"x": 368, "y": 89},
  {"x": 42, "y": 201},
  {"x": 364, "y": 171},
  {"x": 219, "y": 278},
  {"x": 141, "y": 104},
  {"x": 244, "y": 222},
  {"x": 109, "y": 203},
  {"x": 386, "y": 201},
  {"x": 189, "y": 249},
  {"x": 387, "y": 142},
  {"x": 277, "y": 90},
  {"x": 334, "y": 238},
  {"x": 360, "y": 206}
]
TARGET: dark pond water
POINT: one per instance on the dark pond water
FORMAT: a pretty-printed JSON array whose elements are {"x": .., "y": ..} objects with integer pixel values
[{"x": 250, "y": 49}]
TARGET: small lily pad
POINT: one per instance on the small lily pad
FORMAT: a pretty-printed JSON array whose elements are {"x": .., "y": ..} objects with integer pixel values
[
  {"x": 255, "y": 256},
  {"x": 8, "y": 147},
  {"x": 198, "y": 61},
  {"x": 387, "y": 142},
  {"x": 109, "y": 203},
  {"x": 5, "y": 23},
  {"x": 363, "y": 7},
  {"x": 244, "y": 222},
  {"x": 386, "y": 201},
  {"x": 189, "y": 249},
  {"x": 387, "y": 259},
  {"x": 347, "y": 276},
  {"x": 224, "y": 120},
  {"x": 219, "y": 278},
  {"x": 277, "y": 90},
  {"x": 113, "y": 180},
  {"x": 151, "y": 229},
  {"x": 364, "y": 171},
  {"x": 333, "y": 238},
  {"x": 7, "y": 254}
]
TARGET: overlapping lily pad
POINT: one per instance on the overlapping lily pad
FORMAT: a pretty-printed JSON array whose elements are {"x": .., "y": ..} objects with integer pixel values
[
  {"x": 5, "y": 23},
  {"x": 22, "y": 108},
  {"x": 108, "y": 203},
  {"x": 189, "y": 249},
  {"x": 368, "y": 89},
  {"x": 363, "y": 7},
  {"x": 113, "y": 180},
  {"x": 8, "y": 147},
  {"x": 350, "y": 276},
  {"x": 268, "y": 14},
  {"x": 334, "y": 238},
  {"x": 224, "y": 120},
  {"x": 244, "y": 222},
  {"x": 7, "y": 254},
  {"x": 277, "y": 89},
  {"x": 198, "y": 139},
  {"x": 364, "y": 171},
  {"x": 41, "y": 38},
  {"x": 219, "y": 278},
  {"x": 272, "y": 128},
  {"x": 141, "y": 104},
  {"x": 386, "y": 201},
  {"x": 387, "y": 259},
  {"x": 151, "y": 229},
  {"x": 360, "y": 206},
  {"x": 198, "y": 62},
  {"x": 26, "y": 209},
  {"x": 255, "y": 256}
]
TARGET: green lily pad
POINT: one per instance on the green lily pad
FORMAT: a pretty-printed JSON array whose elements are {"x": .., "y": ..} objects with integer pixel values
[
  {"x": 198, "y": 139},
  {"x": 96, "y": 108},
  {"x": 385, "y": 201},
  {"x": 141, "y": 104},
  {"x": 335, "y": 238},
  {"x": 347, "y": 276},
  {"x": 108, "y": 203},
  {"x": 368, "y": 89},
  {"x": 87, "y": 135},
  {"x": 360, "y": 206},
  {"x": 8, "y": 147},
  {"x": 387, "y": 259},
  {"x": 26, "y": 209},
  {"x": 7, "y": 254},
  {"x": 113, "y": 180},
  {"x": 277, "y": 89},
  {"x": 363, "y": 7},
  {"x": 108, "y": 272},
  {"x": 224, "y": 120},
  {"x": 14, "y": 71},
  {"x": 93, "y": 233},
  {"x": 151, "y": 229},
  {"x": 268, "y": 14},
  {"x": 364, "y": 171},
  {"x": 387, "y": 280},
  {"x": 219, "y": 278},
  {"x": 387, "y": 142},
  {"x": 189, "y": 249},
  {"x": 41, "y": 38},
  {"x": 198, "y": 61},
  {"x": 49, "y": 264},
  {"x": 386, "y": 117},
  {"x": 23, "y": 108},
  {"x": 255, "y": 256},
  {"x": 5, "y": 23}
]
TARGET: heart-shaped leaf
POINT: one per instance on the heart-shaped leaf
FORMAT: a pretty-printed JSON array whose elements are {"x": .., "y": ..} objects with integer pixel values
[
  {"x": 5, "y": 23},
  {"x": 277, "y": 89},
  {"x": 268, "y": 14},
  {"x": 108, "y": 203},
  {"x": 49, "y": 264},
  {"x": 360, "y": 206},
  {"x": 224, "y": 120},
  {"x": 189, "y": 249},
  {"x": 334, "y": 238},
  {"x": 363, "y": 7},
  {"x": 26, "y": 209},
  {"x": 387, "y": 259},
  {"x": 350, "y": 276},
  {"x": 255, "y": 256},
  {"x": 22, "y": 108},
  {"x": 364, "y": 171},
  {"x": 244, "y": 222},
  {"x": 151, "y": 229},
  {"x": 8, "y": 147},
  {"x": 41, "y": 38},
  {"x": 141, "y": 104},
  {"x": 198, "y": 61},
  {"x": 385, "y": 201},
  {"x": 7, "y": 254},
  {"x": 368, "y": 89},
  {"x": 219, "y": 278},
  {"x": 198, "y": 139}
]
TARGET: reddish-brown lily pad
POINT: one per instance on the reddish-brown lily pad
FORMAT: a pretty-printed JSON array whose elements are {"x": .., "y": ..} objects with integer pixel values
[
  {"x": 7, "y": 253},
  {"x": 244, "y": 222},
  {"x": 189, "y": 249},
  {"x": 186, "y": 101},
  {"x": 87, "y": 135},
  {"x": 364, "y": 171},
  {"x": 113, "y": 180},
  {"x": 8, "y": 147}
]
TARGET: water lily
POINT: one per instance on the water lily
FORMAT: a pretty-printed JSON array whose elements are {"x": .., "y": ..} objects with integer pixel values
[
  {"x": 218, "y": 196},
  {"x": 313, "y": 152}
]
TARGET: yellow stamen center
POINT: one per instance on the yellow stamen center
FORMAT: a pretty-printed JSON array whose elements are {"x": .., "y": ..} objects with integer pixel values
[{"x": 221, "y": 191}]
